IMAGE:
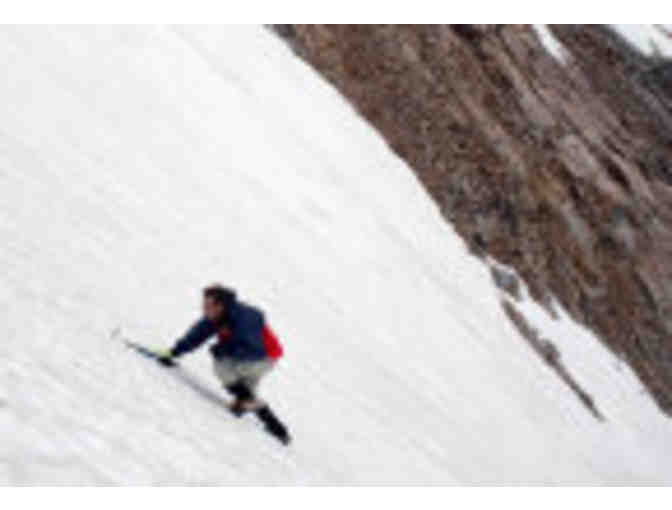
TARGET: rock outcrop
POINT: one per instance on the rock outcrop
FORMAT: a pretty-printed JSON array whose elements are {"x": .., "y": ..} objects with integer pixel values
[{"x": 562, "y": 170}]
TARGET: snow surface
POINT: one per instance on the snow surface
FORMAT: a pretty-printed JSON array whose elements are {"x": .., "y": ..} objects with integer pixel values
[
  {"x": 138, "y": 164},
  {"x": 648, "y": 38}
]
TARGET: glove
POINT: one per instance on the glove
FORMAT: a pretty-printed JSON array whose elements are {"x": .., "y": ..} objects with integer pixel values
[{"x": 166, "y": 358}]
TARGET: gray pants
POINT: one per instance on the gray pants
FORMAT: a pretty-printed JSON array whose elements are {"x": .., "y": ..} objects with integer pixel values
[{"x": 230, "y": 371}]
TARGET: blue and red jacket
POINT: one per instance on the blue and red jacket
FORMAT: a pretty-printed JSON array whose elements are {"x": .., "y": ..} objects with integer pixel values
[{"x": 243, "y": 336}]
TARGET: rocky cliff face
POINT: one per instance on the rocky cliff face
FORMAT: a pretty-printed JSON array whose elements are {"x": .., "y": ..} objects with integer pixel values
[{"x": 562, "y": 170}]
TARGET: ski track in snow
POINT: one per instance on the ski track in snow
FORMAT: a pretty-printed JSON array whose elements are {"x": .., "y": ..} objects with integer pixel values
[{"x": 138, "y": 164}]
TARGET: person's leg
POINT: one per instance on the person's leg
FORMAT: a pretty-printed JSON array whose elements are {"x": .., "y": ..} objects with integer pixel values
[
  {"x": 241, "y": 379},
  {"x": 225, "y": 370},
  {"x": 252, "y": 372},
  {"x": 248, "y": 373},
  {"x": 227, "y": 373}
]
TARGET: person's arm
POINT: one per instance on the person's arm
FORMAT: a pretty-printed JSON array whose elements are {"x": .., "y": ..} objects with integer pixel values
[{"x": 194, "y": 338}]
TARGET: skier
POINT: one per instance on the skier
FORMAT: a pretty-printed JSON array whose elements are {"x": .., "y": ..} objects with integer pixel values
[{"x": 245, "y": 351}]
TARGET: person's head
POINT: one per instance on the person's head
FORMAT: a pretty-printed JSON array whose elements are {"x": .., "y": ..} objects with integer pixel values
[{"x": 216, "y": 300}]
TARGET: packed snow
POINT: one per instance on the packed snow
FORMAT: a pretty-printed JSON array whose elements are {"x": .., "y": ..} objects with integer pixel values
[
  {"x": 649, "y": 39},
  {"x": 138, "y": 164}
]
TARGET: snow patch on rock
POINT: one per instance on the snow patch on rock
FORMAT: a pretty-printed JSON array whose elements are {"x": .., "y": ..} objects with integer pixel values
[{"x": 551, "y": 43}]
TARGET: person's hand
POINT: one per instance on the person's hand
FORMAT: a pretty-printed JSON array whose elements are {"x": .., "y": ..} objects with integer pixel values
[{"x": 166, "y": 358}]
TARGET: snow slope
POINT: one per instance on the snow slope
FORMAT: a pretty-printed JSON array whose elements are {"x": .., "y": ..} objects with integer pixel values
[
  {"x": 648, "y": 38},
  {"x": 138, "y": 164}
]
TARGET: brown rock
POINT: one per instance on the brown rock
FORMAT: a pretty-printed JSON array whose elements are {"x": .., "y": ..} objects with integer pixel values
[{"x": 562, "y": 171}]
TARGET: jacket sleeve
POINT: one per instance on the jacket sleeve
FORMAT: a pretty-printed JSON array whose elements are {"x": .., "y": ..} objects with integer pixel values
[{"x": 195, "y": 337}]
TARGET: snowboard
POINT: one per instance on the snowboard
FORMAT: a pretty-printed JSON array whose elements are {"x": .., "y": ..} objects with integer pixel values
[{"x": 261, "y": 409}]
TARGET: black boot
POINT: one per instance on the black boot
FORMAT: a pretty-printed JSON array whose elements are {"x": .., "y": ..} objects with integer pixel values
[
  {"x": 244, "y": 397},
  {"x": 273, "y": 425}
]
